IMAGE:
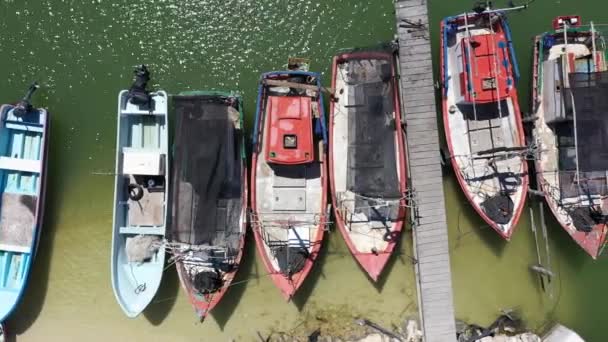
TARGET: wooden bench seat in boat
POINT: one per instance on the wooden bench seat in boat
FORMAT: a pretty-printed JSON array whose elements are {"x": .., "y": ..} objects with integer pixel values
[
  {"x": 158, "y": 102},
  {"x": 142, "y": 230},
  {"x": 143, "y": 162},
  {"x": 23, "y": 126},
  {"x": 17, "y": 220},
  {"x": 18, "y": 164}
]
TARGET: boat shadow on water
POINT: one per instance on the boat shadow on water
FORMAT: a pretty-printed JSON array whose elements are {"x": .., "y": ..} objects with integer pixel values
[
  {"x": 33, "y": 299},
  {"x": 224, "y": 310},
  {"x": 400, "y": 254},
  {"x": 165, "y": 298},
  {"x": 301, "y": 296},
  {"x": 468, "y": 222}
]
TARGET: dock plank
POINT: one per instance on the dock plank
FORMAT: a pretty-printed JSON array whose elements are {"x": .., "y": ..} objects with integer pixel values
[{"x": 430, "y": 231}]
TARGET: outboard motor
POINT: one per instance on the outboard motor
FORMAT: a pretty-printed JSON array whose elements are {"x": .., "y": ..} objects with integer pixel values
[
  {"x": 24, "y": 106},
  {"x": 138, "y": 93},
  {"x": 481, "y": 6}
]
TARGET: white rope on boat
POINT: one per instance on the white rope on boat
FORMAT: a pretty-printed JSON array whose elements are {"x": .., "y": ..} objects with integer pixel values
[
  {"x": 469, "y": 51},
  {"x": 597, "y": 68}
]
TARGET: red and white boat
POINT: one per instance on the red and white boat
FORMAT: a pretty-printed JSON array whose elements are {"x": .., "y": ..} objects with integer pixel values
[
  {"x": 481, "y": 116},
  {"x": 367, "y": 159},
  {"x": 569, "y": 102},
  {"x": 289, "y": 176}
]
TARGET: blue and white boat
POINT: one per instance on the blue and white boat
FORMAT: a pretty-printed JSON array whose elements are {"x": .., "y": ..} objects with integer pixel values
[
  {"x": 140, "y": 199},
  {"x": 24, "y": 136}
]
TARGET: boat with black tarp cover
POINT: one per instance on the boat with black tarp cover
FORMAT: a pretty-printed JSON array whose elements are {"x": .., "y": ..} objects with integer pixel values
[
  {"x": 209, "y": 194},
  {"x": 367, "y": 159},
  {"x": 570, "y": 104}
]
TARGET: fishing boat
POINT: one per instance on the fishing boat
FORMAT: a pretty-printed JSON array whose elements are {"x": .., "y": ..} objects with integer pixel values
[
  {"x": 367, "y": 159},
  {"x": 481, "y": 115},
  {"x": 24, "y": 137},
  {"x": 570, "y": 88},
  {"x": 209, "y": 208},
  {"x": 141, "y": 194},
  {"x": 289, "y": 176}
]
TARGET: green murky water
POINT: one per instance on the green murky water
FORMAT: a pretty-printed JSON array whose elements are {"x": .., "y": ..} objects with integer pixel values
[{"x": 82, "y": 52}]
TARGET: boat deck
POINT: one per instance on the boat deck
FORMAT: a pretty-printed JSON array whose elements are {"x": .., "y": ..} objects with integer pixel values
[{"x": 433, "y": 274}]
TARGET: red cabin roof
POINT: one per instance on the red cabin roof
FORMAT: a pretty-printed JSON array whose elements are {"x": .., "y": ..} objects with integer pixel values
[
  {"x": 488, "y": 56},
  {"x": 289, "y": 130}
]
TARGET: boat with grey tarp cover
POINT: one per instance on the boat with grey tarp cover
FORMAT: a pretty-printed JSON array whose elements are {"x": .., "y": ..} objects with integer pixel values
[
  {"x": 209, "y": 194},
  {"x": 570, "y": 93}
]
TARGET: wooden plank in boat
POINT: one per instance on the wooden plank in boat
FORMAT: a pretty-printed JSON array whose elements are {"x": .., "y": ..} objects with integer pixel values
[
  {"x": 19, "y": 164},
  {"x": 278, "y": 83}
]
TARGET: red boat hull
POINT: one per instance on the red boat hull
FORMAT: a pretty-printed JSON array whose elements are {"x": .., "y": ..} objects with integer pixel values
[
  {"x": 593, "y": 241},
  {"x": 372, "y": 263},
  {"x": 463, "y": 184},
  {"x": 288, "y": 285}
]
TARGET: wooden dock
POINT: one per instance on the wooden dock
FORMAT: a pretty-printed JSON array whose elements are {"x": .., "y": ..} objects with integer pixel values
[{"x": 433, "y": 275}]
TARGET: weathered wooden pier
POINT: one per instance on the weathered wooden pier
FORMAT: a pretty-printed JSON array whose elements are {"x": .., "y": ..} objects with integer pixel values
[{"x": 433, "y": 274}]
